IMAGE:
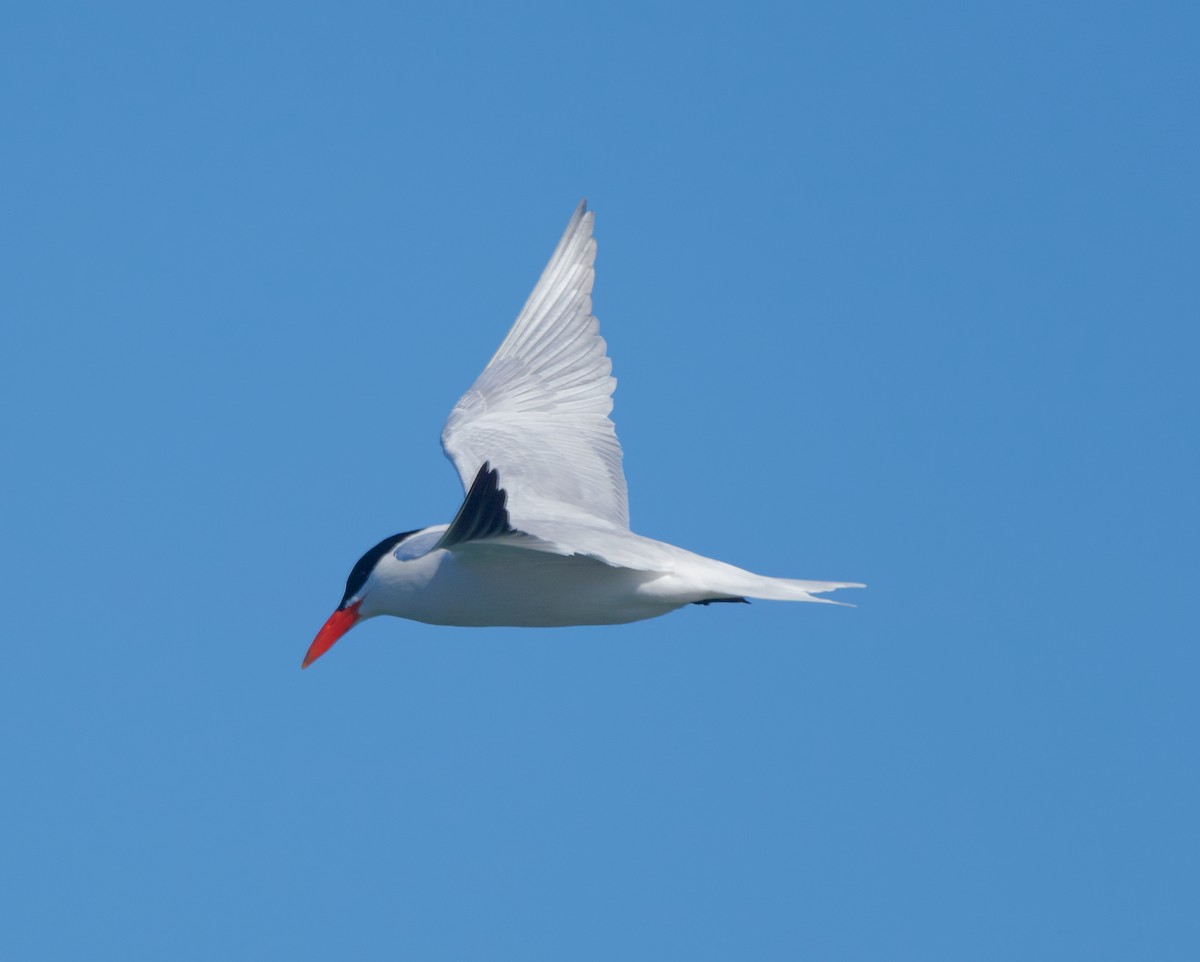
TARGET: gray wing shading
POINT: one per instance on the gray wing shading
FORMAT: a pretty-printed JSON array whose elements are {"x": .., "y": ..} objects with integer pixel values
[{"x": 539, "y": 413}]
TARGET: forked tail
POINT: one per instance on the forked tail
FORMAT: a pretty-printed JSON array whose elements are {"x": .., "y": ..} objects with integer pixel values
[
  {"x": 792, "y": 589},
  {"x": 724, "y": 581}
]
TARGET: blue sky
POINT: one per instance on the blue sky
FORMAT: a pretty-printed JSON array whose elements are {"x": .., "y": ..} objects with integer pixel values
[{"x": 903, "y": 294}]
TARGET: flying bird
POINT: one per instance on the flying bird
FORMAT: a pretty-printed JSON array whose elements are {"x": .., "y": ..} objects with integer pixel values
[{"x": 542, "y": 538}]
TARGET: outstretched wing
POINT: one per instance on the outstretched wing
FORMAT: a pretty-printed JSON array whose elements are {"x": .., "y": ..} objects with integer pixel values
[
  {"x": 538, "y": 414},
  {"x": 538, "y": 456}
]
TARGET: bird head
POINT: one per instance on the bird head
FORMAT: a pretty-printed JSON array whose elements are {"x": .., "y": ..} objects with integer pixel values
[{"x": 348, "y": 613}]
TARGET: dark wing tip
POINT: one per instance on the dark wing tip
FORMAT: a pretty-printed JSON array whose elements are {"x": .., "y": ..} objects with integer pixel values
[{"x": 484, "y": 511}]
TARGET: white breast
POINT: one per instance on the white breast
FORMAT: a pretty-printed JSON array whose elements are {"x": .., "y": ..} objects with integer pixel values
[{"x": 501, "y": 585}]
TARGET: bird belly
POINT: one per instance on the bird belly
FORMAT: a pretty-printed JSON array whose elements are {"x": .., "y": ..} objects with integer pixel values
[{"x": 497, "y": 585}]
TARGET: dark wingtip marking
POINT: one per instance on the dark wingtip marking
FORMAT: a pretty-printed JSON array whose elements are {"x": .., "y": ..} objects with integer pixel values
[{"x": 484, "y": 512}]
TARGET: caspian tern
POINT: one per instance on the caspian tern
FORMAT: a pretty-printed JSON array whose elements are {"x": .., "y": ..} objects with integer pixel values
[{"x": 542, "y": 538}]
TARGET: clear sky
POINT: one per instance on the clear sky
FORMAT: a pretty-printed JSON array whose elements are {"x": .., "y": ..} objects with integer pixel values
[{"x": 898, "y": 293}]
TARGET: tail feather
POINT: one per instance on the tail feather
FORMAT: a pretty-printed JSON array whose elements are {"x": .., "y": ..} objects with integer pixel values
[
  {"x": 793, "y": 589},
  {"x": 727, "y": 580}
]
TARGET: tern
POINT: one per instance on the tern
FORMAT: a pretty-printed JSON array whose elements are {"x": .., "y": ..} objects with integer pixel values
[{"x": 542, "y": 538}]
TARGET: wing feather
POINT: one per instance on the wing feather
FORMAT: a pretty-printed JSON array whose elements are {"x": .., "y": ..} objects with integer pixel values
[{"x": 539, "y": 412}]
